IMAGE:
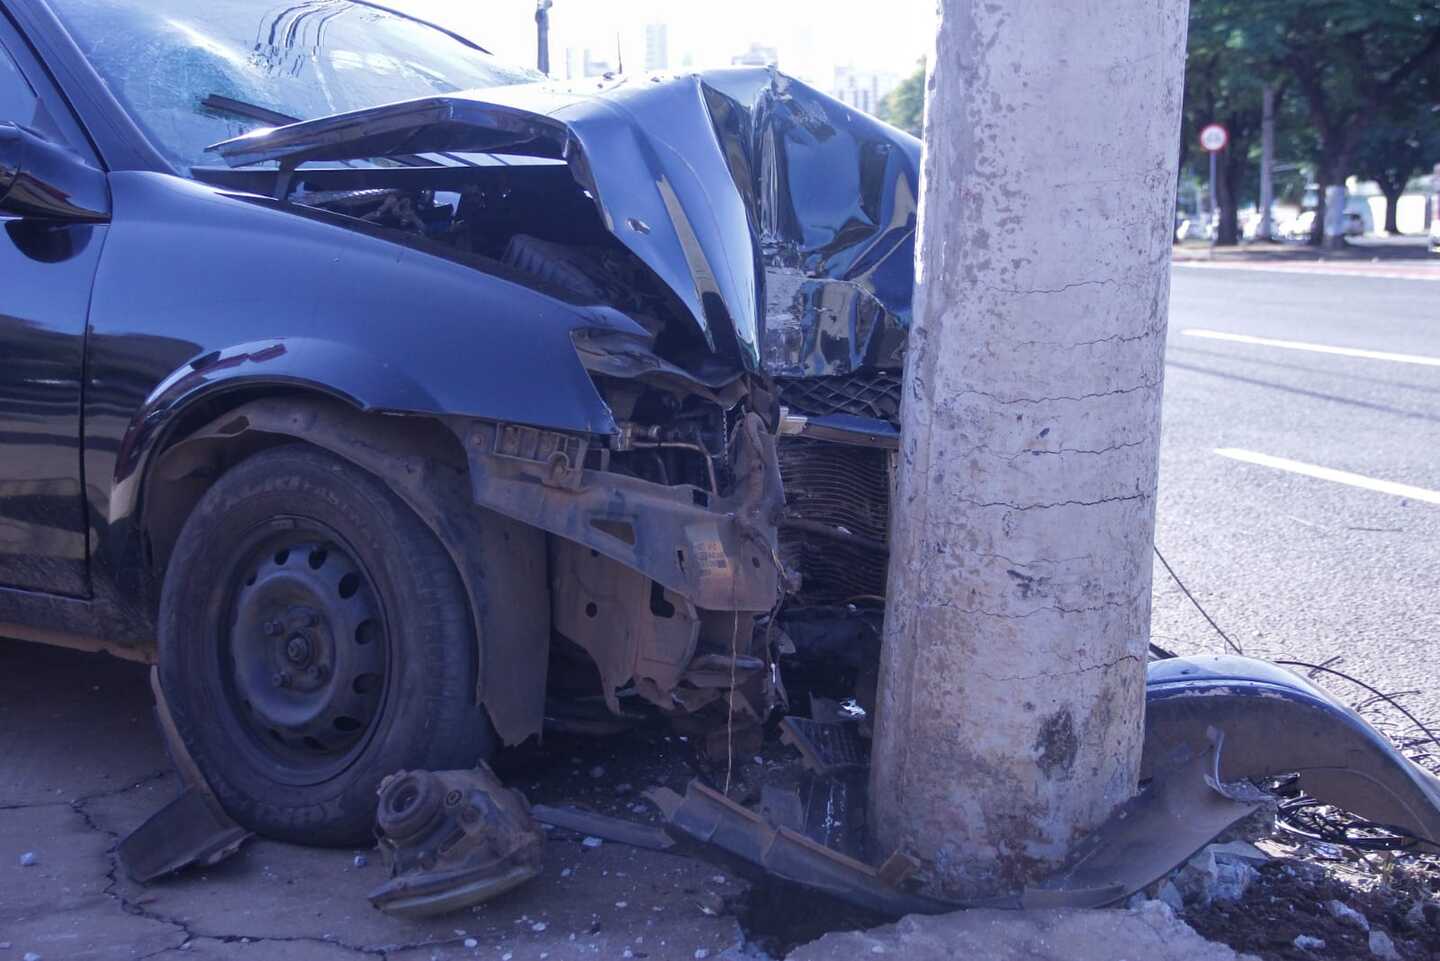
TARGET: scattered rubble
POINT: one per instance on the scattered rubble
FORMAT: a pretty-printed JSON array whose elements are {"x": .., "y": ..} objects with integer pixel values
[
  {"x": 1345, "y": 914},
  {"x": 1306, "y": 943},
  {"x": 29, "y": 859},
  {"x": 1151, "y": 931},
  {"x": 1212, "y": 876},
  {"x": 1382, "y": 947}
]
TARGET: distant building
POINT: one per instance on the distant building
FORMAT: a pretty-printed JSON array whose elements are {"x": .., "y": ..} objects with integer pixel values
[
  {"x": 595, "y": 68},
  {"x": 758, "y": 55},
  {"x": 863, "y": 89},
  {"x": 657, "y": 46}
]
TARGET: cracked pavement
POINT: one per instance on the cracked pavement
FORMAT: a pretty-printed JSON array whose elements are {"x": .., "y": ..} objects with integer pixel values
[{"x": 85, "y": 764}]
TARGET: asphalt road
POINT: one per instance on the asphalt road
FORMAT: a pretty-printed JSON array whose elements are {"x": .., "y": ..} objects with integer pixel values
[{"x": 1288, "y": 563}]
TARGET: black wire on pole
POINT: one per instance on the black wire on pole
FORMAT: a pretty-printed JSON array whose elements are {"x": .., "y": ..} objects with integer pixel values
[
  {"x": 1388, "y": 699},
  {"x": 1203, "y": 613}
]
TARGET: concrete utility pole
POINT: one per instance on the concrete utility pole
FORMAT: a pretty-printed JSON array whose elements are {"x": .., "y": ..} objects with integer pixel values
[
  {"x": 1266, "y": 228},
  {"x": 1012, "y": 677}
]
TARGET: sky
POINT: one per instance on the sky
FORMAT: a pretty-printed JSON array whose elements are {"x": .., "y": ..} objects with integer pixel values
[{"x": 812, "y": 37}]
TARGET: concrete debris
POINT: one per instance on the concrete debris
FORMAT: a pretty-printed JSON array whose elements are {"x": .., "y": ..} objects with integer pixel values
[
  {"x": 31, "y": 956},
  {"x": 471, "y": 943},
  {"x": 360, "y": 861},
  {"x": 1345, "y": 914},
  {"x": 1171, "y": 895},
  {"x": 1306, "y": 942},
  {"x": 1152, "y": 932},
  {"x": 1382, "y": 946},
  {"x": 592, "y": 842},
  {"x": 1241, "y": 850},
  {"x": 1210, "y": 876},
  {"x": 711, "y": 904},
  {"x": 29, "y": 859}
]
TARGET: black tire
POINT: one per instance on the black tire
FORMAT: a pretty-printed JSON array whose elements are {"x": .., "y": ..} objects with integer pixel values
[{"x": 298, "y": 580}]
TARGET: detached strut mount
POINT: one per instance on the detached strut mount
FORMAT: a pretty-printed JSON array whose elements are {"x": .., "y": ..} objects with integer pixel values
[{"x": 452, "y": 839}]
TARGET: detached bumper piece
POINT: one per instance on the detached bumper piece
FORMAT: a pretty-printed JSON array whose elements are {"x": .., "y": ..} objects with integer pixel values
[
  {"x": 452, "y": 839},
  {"x": 1277, "y": 724}
]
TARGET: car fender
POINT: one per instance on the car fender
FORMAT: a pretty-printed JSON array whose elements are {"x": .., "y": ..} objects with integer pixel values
[{"x": 202, "y": 291}]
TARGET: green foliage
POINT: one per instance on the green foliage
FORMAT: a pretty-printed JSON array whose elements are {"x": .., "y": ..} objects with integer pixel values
[
  {"x": 1343, "y": 65},
  {"x": 904, "y": 107}
]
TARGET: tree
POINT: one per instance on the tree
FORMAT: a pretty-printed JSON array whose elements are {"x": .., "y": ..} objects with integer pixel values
[
  {"x": 1401, "y": 145},
  {"x": 1350, "y": 61},
  {"x": 1012, "y": 685},
  {"x": 904, "y": 107},
  {"x": 1220, "y": 87},
  {"x": 1391, "y": 154}
]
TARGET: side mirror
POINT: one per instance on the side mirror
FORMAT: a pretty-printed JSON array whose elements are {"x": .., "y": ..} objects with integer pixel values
[{"x": 44, "y": 181}]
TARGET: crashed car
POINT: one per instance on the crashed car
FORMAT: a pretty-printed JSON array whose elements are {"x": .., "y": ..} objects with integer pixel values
[{"x": 391, "y": 399}]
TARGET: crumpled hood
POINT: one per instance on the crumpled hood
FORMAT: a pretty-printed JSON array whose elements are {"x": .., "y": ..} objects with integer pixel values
[{"x": 723, "y": 183}]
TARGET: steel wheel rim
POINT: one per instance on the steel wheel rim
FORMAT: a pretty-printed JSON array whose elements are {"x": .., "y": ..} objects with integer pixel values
[{"x": 304, "y": 651}]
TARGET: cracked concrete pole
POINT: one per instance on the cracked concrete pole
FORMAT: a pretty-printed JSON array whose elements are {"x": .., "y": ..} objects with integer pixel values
[{"x": 1012, "y": 678}]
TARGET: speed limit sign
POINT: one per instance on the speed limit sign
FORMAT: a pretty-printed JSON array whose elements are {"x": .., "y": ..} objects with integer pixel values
[{"x": 1214, "y": 138}]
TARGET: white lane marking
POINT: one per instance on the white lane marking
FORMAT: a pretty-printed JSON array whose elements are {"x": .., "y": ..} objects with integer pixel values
[
  {"x": 1421, "y": 359},
  {"x": 1421, "y": 271},
  {"x": 1331, "y": 474}
]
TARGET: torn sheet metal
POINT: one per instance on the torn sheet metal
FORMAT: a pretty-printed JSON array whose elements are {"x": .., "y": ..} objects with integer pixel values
[
  {"x": 193, "y": 829},
  {"x": 603, "y": 826},
  {"x": 1185, "y": 806},
  {"x": 452, "y": 839},
  {"x": 1277, "y": 723},
  {"x": 707, "y": 816}
]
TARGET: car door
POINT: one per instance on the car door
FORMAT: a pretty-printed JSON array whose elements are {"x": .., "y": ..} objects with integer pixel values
[{"x": 46, "y": 270}]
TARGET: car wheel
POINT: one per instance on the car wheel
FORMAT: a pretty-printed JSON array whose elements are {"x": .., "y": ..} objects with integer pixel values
[{"x": 314, "y": 638}]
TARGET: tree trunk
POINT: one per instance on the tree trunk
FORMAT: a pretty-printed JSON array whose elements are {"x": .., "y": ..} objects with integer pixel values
[
  {"x": 1392, "y": 205},
  {"x": 1266, "y": 229},
  {"x": 1227, "y": 232},
  {"x": 1012, "y": 677},
  {"x": 1317, "y": 226}
]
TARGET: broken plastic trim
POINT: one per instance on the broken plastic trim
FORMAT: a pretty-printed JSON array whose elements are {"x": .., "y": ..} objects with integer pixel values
[{"x": 193, "y": 829}]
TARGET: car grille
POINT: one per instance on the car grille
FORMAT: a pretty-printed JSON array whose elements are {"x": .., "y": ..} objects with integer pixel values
[
  {"x": 869, "y": 394},
  {"x": 844, "y": 490}
]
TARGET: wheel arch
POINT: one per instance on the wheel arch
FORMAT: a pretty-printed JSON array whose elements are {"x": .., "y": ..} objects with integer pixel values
[{"x": 421, "y": 460}]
